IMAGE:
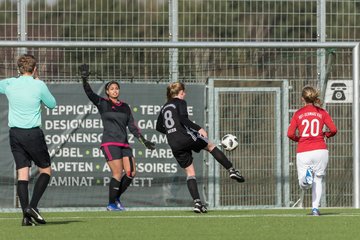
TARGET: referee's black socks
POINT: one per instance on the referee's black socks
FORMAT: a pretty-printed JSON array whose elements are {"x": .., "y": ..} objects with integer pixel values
[
  {"x": 221, "y": 158},
  {"x": 39, "y": 189},
  {"x": 23, "y": 193}
]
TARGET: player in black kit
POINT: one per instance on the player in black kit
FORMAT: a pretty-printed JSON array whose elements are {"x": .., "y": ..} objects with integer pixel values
[
  {"x": 184, "y": 136},
  {"x": 116, "y": 117}
]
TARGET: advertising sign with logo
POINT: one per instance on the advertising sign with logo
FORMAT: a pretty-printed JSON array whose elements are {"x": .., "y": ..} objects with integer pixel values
[
  {"x": 80, "y": 175},
  {"x": 339, "y": 91}
]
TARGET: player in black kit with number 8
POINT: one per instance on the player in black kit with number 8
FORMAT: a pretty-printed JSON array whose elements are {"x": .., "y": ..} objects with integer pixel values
[
  {"x": 184, "y": 136},
  {"x": 116, "y": 117}
]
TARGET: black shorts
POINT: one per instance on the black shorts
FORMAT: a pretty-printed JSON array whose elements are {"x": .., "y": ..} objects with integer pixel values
[
  {"x": 29, "y": 145},
  {"x": 183, "y": 155},
  {"x": 116, "y": 152}
]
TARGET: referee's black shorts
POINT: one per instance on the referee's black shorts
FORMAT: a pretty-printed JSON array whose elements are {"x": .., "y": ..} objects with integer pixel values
[{"x": 29, "y": 145}]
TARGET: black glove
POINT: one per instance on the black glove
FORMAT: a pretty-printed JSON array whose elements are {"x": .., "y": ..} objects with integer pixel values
[
  {"x": 84, "y": 71},
  {"x": 148, "y": 144}
]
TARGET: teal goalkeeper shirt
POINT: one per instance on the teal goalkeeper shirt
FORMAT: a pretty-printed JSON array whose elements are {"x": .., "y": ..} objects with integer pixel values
[{"x": 25, "y": 95}]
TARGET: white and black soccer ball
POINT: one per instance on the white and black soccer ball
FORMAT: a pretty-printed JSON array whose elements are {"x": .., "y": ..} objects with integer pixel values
[{"x": 229, "y": 142}]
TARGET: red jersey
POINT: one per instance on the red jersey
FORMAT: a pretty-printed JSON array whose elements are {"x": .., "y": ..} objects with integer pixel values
[{"x": 310, "y": 121}]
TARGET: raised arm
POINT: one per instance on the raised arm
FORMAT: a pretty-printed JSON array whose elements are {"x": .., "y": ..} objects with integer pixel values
[
  {"x": 84, "y": 71},
  {"x": 3, "y": 85},
  {"x": 46, "y": 97}
]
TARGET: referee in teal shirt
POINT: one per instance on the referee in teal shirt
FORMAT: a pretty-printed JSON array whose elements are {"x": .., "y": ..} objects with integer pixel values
[{"x": 25, "y": 94}]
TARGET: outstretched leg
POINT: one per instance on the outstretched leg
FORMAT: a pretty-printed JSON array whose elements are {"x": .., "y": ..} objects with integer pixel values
[
  {"x": 221, "y": 158},
  {"x": 225, "y": 162}
]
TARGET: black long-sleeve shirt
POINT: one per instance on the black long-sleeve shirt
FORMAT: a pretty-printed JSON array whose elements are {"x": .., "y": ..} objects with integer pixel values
[
  {"x": 173, "y": 121},
  {"x": 116, "y": 117}
]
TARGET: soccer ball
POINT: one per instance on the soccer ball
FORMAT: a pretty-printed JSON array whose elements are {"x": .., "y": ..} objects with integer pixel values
[{"x": 229, "y": 142}]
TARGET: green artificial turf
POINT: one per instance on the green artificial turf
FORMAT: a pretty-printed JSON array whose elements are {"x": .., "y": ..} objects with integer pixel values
[{"x": 247, "y": 224}]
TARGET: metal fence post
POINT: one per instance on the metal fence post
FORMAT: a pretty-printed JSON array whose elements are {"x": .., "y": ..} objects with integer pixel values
[
  {"x": 173, "y": 35},
  {"x": 356, "y": 167},
  {"x": 22, "y": 24}
]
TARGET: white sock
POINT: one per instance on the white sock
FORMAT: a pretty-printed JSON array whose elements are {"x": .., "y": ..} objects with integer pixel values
[{"x": 316, "y": 191}]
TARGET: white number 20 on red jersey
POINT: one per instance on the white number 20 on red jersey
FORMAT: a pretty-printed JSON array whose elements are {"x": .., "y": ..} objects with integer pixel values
[{"x": 312, "y": 128}]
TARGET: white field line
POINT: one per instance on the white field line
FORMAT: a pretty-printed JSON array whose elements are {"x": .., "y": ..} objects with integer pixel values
[{"x": 195, "y": 216}]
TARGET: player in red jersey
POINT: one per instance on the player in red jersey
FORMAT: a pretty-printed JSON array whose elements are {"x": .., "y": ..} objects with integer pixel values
[{"x": 312, "y": 154}]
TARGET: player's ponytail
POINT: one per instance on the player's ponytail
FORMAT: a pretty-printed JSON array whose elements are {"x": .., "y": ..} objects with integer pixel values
[
  {"x": 311, "y": 95},
  {"x": 318, "y": 102},
  {"x": 173, "y": 89}
]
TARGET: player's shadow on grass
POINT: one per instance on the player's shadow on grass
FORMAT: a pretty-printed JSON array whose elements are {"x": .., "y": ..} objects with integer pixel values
[
  {"x": 63, "y": 222},
  {"x": 327, "y": 214}
]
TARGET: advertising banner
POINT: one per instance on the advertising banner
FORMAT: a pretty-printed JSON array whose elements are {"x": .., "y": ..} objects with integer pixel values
[{"x": 73, "y": 132}]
